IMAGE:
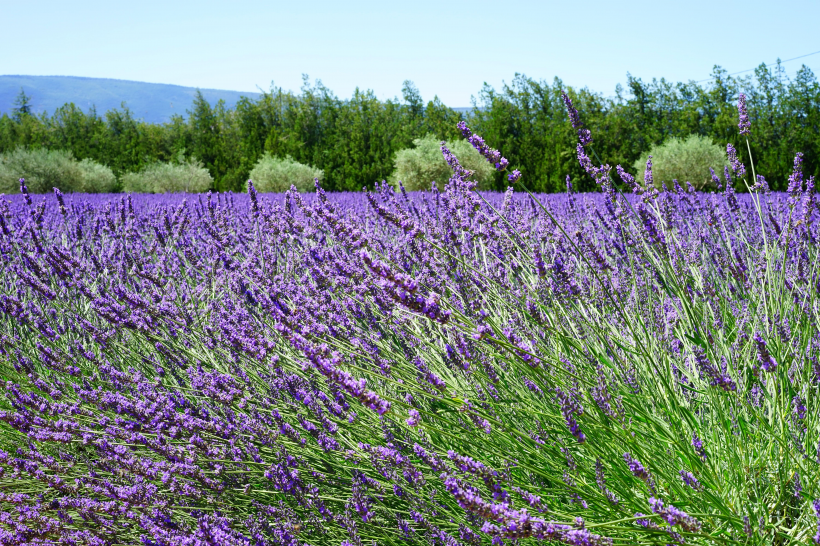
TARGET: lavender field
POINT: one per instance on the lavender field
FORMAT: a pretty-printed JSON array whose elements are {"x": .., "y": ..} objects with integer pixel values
[{"x": 444, "y": 367}]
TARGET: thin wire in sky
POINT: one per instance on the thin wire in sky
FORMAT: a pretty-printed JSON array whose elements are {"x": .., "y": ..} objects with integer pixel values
[{"x": 770, "y": 64}]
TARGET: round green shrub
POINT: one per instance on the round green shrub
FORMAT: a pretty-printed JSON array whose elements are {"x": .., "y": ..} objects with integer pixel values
[
  {"x": 97, "y": 178},
  {"x": 188, "y": 176},
  {"x": 43, "y": 170},
  {"x": 684, "y": 160},
  {"x": 419, "y": 166},
  {"x": 277, "y": 174}
]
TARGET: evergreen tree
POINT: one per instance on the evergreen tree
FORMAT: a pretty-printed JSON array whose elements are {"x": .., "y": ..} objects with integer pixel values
[{"x": 22, "y": 105}]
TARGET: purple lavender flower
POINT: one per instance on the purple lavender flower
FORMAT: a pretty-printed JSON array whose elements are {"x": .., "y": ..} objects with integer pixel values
[
  {"x": 766, "y": 360},
  {"x": 690, "y": 480},
  {"x": 639, "y": 471},
  {"x": 715, "y": 179},
  {"x": 628, "y": 179},
  {"x": 24, "y": 191},
  {"x": 816, "y": 505},
  {"x": 673, "y": 516},
  {"x": 414, "y": 419},
  {"x": 491, "y": 155},
  {"x": 570, "y": 407},
  {"x": 744, "y": 124},
  {"x": 601, "y": 481},
  {"x": 648, "y": 180},
  {"x": 60, "y": 200},
  {"x": 716, "y": 376},
  {"x": 698, "y": 445},
  {"x": 799, "y": 407},
  {"x": 761, "y": 185},
  {"x": 736, "y": 164},
  {"x": 254, "y": 199},
  {"x": 584, "y": 136},
  {"x": 796, "y": 180}
]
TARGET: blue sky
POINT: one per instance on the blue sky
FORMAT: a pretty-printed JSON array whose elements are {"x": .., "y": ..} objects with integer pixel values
[{"x": 448, "y": 48}]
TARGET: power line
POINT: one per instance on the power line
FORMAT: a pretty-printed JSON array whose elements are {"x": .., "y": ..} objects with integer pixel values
[{"x": 770, "y": 64}]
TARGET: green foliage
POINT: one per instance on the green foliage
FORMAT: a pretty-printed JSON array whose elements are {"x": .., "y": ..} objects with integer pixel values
[
  {"x": 189, "y": 176},
  {"x": 43, "y": 170},
  {"x": 277, "y": 174},
  {"x": 47, "y": 169},
  {"x": 417, "y": 167},
  {"x": 22, "y": 105},
  {"x": 684, "y": 160},
  {"x": 354, "y": 142},
  {"x": 96, "y": 178}
]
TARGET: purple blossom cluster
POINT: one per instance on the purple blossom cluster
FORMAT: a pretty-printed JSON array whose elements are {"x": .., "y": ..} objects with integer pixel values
[{"x": 744, "y": 125}]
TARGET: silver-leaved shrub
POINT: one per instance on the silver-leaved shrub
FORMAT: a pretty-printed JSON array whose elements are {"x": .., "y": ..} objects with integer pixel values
[
  {"x": 685, "y": 160},
  {"x": 423, "y": 164},
  {"x": 277, "y": 174},
  {"x": 44, "y": 169},
  {"x": 187, "y": 176}
]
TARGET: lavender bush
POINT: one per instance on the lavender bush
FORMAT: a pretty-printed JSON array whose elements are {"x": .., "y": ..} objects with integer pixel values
[{"x": 443, "y": 367}]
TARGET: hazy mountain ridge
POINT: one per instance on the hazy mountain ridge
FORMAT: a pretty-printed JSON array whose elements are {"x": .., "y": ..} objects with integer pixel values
[{"x": 153, "y": 102}]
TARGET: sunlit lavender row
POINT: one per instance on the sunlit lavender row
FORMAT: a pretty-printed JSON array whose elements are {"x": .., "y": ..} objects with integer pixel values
[{"x": 443, "y": 367}]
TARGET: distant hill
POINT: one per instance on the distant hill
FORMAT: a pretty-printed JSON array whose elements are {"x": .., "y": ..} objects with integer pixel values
[{"x": 153, "y": 102}]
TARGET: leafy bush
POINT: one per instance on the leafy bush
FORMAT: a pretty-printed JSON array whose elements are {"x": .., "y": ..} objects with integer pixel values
[
  {"x": 97, "y": 178},
  {"x": 187, "y": 176},
  {"x": 684, "y": 160},
  {"x": 418, "y": 167},
  {"x": 276, "y": 174},
  {"x": 43, "y": 170}
]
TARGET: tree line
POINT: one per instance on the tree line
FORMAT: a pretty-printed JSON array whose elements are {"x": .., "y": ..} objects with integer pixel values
[{"x": 355, "y": 141}]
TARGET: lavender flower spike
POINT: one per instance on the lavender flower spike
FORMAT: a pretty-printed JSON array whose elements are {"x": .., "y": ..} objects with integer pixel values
[
  {"x": 636, "y": 467},
  {"x": 767, "y": 362},
  {"x": 816, "y": 506},
  {"x": 493, "y": 156},
  {"x": 648, "y": 180},
  {"x": 673, "y": 516},
  {"x": 737, "y": 166},
  {"x": 60, "y": 200},
  {"x": 584, "y": 136},
  {"x": 414, "y": 419},
  {"x": 744, "y": 124},
  {"x": 254, "y": 199}
]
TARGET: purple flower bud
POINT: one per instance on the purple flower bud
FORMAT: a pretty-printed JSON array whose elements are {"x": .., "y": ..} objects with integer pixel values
[
  {"x": 744, "y": 124},
  {"x": 799, "y": 407},
  {"x": 414, "y": 419},
  {"x": 796, "y": 179},
  {"x": 690, "y": 480},
  {"x": 698, "y": 445},
  {"x": 736, "y": 164},
  {"x": 491, "y": 155},
  {"x": 584, "y": 136},
  {"x": 767, "y": 361},
  {"x": 673, "y": 516},
  {"x": 816, "y": 505}
]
